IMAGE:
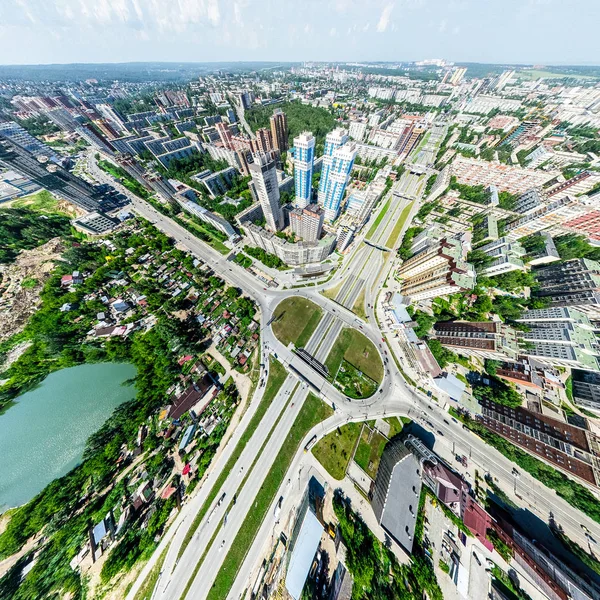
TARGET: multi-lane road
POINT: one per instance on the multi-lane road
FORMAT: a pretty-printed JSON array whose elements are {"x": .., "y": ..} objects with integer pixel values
[{"x": 360, "y": 273}]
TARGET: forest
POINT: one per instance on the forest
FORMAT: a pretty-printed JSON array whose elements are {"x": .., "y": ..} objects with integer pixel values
[
  {"x": 23, "y": 229},
  {"x": 300, "y": 117}
]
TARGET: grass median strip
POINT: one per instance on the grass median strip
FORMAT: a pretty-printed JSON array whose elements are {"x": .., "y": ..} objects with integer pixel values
[
  {"x": 379, "y": 218},
  {"x": 312, "y": 412},
  {"x": 393, "y": 238},
  {"x": 147, "y": 588},
  {"x": 277, "y": 375}
]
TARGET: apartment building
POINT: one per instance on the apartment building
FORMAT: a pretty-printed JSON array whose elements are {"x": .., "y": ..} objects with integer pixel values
[
  {"x": 586, "y": 389},
  {"x": 264, "y": 177},
  {"x": 304, "y": 156},
  {"x": 279, "y": 130},
  {"x": 506, "y": 257},
  {"x": 487, "y": 339},
  {"x": 307, "y": 223}
]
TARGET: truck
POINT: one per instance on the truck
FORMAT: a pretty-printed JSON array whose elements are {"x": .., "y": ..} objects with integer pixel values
[{"x": 310, "y": 443}]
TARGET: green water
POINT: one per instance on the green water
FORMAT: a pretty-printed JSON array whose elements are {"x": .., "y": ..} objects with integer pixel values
[{"x": 42, "y": 436}]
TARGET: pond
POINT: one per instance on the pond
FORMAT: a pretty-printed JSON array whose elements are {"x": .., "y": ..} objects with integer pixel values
[{"x": 43, "y": 435}]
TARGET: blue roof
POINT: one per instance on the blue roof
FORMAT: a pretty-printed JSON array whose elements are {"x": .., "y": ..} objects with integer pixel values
[
  {"x": 99, "y": 532},
  {"x": 304, "y": 552}
]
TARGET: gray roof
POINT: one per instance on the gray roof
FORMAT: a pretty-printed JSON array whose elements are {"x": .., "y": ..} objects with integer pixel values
[{"x": 396, "y": 494}]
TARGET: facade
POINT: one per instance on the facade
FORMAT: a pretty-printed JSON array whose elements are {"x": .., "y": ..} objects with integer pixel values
[
  {"x": 506, "y": 254},
  {"x": 300, "y": 253},
  {"x": 307, "y": 223},
  {"x": 437, "y": 271},
  {"x": 574, "y": 283},
  {"x": 334, "y": 140},
  {"x": 279, "y": 130},
  {"x": 586, "y": 389},
  {"x": 570, "y": 448},
  {"x": 264, "y": 176},
  {"x": 488, "y": 339},
  {"x": 304, "y": 155},
  {"x": 561, "y": 336},
  {"x": 579, "y": 184},
  {"x": 225, "y": 134},
  {"x": 357, "y": 130},
  {"x": 342, "y": 161}
]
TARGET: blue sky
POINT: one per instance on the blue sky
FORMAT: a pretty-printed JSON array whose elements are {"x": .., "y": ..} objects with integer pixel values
[{"x": 525, "y": 31}]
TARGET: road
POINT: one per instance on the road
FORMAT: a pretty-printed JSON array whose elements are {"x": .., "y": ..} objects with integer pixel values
[{"x": 363, "y": 270}]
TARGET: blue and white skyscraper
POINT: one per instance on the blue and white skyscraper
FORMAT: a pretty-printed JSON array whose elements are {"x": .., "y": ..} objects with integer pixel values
[
  {"x": 335, "y": 139},
  {"x": 337, "y": 179},
  {"x": 304, "y": 155}
]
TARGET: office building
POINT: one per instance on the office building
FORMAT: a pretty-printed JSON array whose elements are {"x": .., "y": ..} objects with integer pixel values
[
  {"x": 307, "y": 222},
  {"x": 263, "y": 141},
  {"x": 396, "y": 493},
  {"x": 304, "y": 155},
  {"x": 586, "y": 389},
  {"x": 264, "y": 177},
  {"x": 338, "y": 176},
  {"x": 574, "y": 283},
  {"x": 437, "y": 271},
  {"x": 334, "y": 140},
  {"x": 568, "y": 447},
  {"x": 487, "y": 339},
  {"x": 561, "y": 336},
  {"x": 279, "y": 130}
]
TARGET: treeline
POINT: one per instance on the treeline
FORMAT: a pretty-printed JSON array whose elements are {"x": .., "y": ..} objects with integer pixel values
[
  {"x": 266, "y": 258},
  {"x": 23, "y": 229}
]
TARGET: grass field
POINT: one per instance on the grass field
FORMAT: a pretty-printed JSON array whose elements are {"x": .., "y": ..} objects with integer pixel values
[
  {"x": 531, "y": 74},
  {"x": 395, "y": 426},
  {"x": 147, "y": 588},
  {"x": 332, "y": 293},
  {"x": 369, "y": 451},
  {"x": 213, "y": 240},
  {"x": 43, "y": 202},
  {"x": 393, "y": 238},
  {"x": 378, "y": 219},
  {"x": 353, "y": 346},
  {"x": 277, "y": 375},
  {"x": 312, "y": 412},
  {"x": 334, "y": 451},
  {"x": 295, "y": 320}
]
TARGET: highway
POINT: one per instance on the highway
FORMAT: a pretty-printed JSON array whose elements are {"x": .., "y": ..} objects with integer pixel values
[{"x": 363, "y": 270}]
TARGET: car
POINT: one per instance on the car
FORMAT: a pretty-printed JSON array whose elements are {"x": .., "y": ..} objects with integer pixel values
[
  {"x": 440, "y": 433},
  {"x": 221, "y": 546},
  {"x": 447, "y": 423}
]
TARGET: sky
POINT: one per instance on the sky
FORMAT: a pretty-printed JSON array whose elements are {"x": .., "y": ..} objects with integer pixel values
[{"x": 493, "y": 31}]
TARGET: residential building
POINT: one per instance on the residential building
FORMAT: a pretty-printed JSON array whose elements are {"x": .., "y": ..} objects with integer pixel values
[
  {"x": 342, "y": 161},
  {"x": 579, "y": 184},
  {"x": 213, "y": 219},
  {"x": 279, "y": 130},
  {"x": 472, "y": 171},
  {"x": 574, "y": 283},
  {"x": 264, "y": 176},
  {"x": 334, "y": 140},
  {"x": 225, "y": 134},
  {"x": 561, "y": 336},
  {"x": 587, "y": 224},
  {"x": 304, "y": 154},
  {"x": 553, "y": 213},
  {"x": 357, "y": 130},
  {"x": 506, "y": 257},
  {"x": 487, "y": 339},
  {"x": 568, "y": 447},
  {"x": 531, "y": 201},
  {"x": 586, "y": 389},
  {"x": 263, "y": 142},
  {"x": 217, "y": 183},
  {"x": 307, "y": 223},
  {"x": 300, "y": 253}
]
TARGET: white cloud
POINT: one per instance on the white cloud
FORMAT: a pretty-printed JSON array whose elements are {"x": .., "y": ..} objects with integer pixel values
[
  {"x": 332, "y": 32},
  {"x": 384, "y": 19},
  {"x": 443, "y": 26}
]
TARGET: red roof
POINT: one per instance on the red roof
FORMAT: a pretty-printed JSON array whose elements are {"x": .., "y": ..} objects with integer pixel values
[
  {"x": 168, "y": 492},
  {"x": 186, "y": 469}
]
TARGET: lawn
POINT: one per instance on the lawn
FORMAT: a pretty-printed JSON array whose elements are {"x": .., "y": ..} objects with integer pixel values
[
  {"x": 295, "y": 320},
  {"x": 212, "y": 240},
  {"x": 369, "y": 451},
  {"x": 354, "y": 383},
  {"x": 312, "y": 412},
  {"x": 393, "y": 238},
  {"x": 43, "y": 202},
  {"x": 332, "y": 293},
  {"x": 352, "y": 346},
  {"x": 146, "y": 590},
  {"x": 378, "y": 220},
  {"x": 334, "y": 451},
  {"x": 395, "y": 426},
  {"x": 277, "y": 375}
]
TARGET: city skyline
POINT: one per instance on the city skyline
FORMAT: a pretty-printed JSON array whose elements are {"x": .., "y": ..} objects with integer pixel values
[{"x": 35, "y": 32}]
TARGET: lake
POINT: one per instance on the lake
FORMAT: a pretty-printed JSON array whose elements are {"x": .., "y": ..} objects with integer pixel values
[{"x": 42, "y": 436}]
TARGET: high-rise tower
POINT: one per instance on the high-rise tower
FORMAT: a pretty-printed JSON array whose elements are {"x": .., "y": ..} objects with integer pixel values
[
  {"x": 279, "y": 130},
  {"x": 264, "y": 176},
  {"x": 304, "y": 154},
  {"x": 337, "y": 179},
  {"x": 336, "y": 138}
]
